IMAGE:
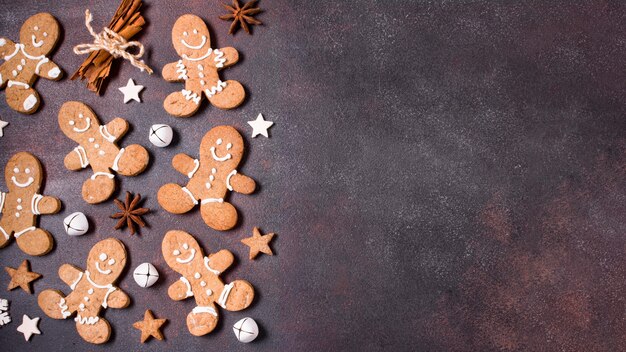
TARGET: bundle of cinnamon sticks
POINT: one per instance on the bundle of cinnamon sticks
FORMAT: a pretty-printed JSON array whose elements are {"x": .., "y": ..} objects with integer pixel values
[{"x": 127, "y": 22}]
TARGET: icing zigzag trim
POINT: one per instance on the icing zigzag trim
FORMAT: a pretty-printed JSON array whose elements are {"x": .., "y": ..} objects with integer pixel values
[{"x": 189, "y": 95}]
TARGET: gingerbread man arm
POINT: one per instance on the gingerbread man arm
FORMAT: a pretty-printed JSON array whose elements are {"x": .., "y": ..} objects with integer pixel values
[
  {"x": 231, "y": 55},
  {"x": 48, "y": 205},
  {"x": 115, "y": 129},
  {"x": 76, "y": 159},
  {"x": 49, "y": 70},
  {"x": 70, "y": 274},
  {"x": 118, "y": 299},
  {"x": 179, "y": 290},
  {"x": 4, "y": 75},
  {"x": 185, "y": 164},
  {"x": 7, "y": 46},
  {"x": 220, "y": 261},
  {"x": 242, "y": 184},
  {"x": 170, "y": 72}
]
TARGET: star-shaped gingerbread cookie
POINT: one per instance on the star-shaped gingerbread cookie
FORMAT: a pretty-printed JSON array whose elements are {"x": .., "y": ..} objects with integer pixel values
[
  {"x": 22, "y": 277},
  {"x": 150, "y": 327},
  {"x": 258, "y": 243}
]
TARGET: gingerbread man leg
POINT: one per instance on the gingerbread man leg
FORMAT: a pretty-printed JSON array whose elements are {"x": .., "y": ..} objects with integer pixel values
[
  {"x": 131, "y": 160},
  {"x": 22, "y": 98},
  {"x": 34, "y": 241},
  {"x": 221, "y": 216},
  {"x": 230, "y": 97},
  {"x": 59, "y": 310},
  {"x": 202, "y": 320},
  {"x": 96, "y": 333},
  {"x": 99, "y": 187},
  {"x": 184, "y": 103},
  {"x": 176, "y": 199},
  {"x": 240, "y": 295}
]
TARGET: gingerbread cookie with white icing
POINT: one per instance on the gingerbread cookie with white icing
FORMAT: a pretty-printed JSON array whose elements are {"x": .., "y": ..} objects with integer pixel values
[
  {"x": 92, "y": 290},
  {"x": 97, "y": 149},
  {"x": 26, "y": 61},
  {"x": 200, "y": 279},
  {"x": 22, "y": 204},
  {"x": 198, "y": 68},
  {"x": 210, "y": 179}
]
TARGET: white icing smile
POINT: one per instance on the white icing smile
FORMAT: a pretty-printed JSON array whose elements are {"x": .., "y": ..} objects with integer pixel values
[
  {"x": 195, "y": 47},
  {"x": 22, "y": 185},
  {"x": 105, "y": 272},
  {"x": 36, "y": 43},
  {"x": 224, "y": 158},
  {"x": 190, "y": 258},
  {"x": 198, "y": 58},
  {"x": 81, "y": 130}
]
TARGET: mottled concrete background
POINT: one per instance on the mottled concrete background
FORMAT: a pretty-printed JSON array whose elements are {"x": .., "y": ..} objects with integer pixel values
[{"x": 442, "y": 176}]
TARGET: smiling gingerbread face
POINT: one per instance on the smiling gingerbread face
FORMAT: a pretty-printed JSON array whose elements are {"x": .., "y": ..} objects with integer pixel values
[
  {"x": 222, "y": 145},
  {"x": 23, "y": 171},
  {"x": 106, "y": 261},
  {"x": 181, "y": 251},
  {"x": 190, "y": 37},
  {"x": 76, "y": 118},
  {"x": 39, "y": 34}
]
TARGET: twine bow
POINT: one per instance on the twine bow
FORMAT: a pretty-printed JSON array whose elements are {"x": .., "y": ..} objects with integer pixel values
[{"x": 113, "y": 43}]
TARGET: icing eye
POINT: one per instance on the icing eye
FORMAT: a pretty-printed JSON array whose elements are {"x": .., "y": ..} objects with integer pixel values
[
  {"x": 36, "y": 28},
  {"x": 219, "y": 141},
  {"x": 103, "y": 257},
  {"x": 111, "y": 261},
  {"x": 195, "y": 31},
  {"x": 80, "y": 116},
  {"x": 27, "y": 170},
  {"x": 72, "y": 122},
  {"x": 228, "y": 146},
  {"x": 16, "y": 170},
  {"x": 185, "y": 34},
  {"x": 176, "y": 252},
  {"x": 185, "y": 245},
  {"x": 45, "y": 34}
]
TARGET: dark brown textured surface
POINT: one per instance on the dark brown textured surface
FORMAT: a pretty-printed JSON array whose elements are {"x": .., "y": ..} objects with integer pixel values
[{"x": 441, "y": 176}]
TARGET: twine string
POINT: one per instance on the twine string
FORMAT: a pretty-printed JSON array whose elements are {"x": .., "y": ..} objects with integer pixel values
[{"x": 113, "y": 43}]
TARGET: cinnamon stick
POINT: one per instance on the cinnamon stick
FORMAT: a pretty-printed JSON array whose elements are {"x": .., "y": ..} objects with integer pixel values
[{"x": 127, "y": 21}]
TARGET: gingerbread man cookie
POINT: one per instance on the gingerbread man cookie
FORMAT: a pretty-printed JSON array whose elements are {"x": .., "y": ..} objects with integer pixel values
[
  {"x": 210, "y": 178},
  {"x": 198, "y": 68},
  {"x": 200, "y": 279},
  {"x": 27, "y": 60},
  {"x": 97, "y": 148},
  {"x": 21, "y": 205},
  {"x": 92, "y": 290}
]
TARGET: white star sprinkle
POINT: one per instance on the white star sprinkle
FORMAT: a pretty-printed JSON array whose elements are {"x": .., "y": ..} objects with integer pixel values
[
  {"x": 131, "y": 91},
  {"x": 3, "y": 124},
  {"x": 29, "y": 327},
  {"x": 260, "y": 126}
]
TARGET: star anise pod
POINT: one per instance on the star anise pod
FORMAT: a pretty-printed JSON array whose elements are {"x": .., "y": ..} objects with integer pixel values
[
  {"x": 130, "y": 213},
  {"x": 241, "y": 15}
]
